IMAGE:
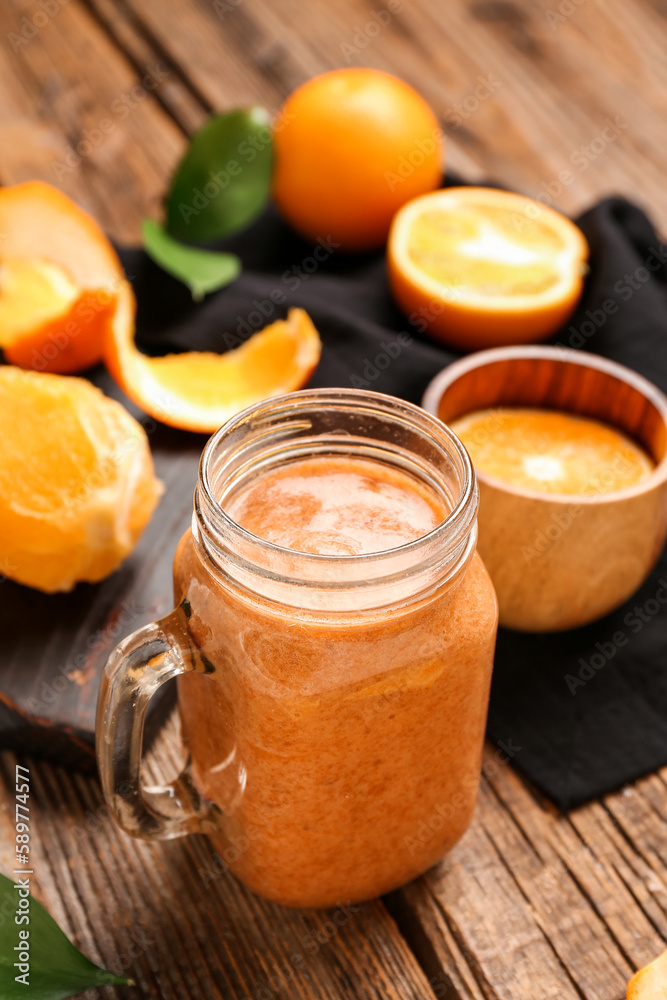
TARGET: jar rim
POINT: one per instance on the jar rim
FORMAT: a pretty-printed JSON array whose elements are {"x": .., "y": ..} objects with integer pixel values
[{"x": 450, "y": 531}]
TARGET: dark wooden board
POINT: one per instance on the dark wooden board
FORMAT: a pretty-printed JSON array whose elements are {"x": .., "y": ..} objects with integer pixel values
[{"x": 54, "y": 646}]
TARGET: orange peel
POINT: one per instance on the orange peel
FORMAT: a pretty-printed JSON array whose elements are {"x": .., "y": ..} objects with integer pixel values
[
  {"x": 201, "y": 390},
  {"x": 650, "y": 983},
  {"x": 59, "y": 277}
]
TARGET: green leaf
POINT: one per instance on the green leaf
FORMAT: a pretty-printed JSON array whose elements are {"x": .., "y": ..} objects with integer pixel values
[
  {"x": 223, "y": 180},
  {"x": 57, "y": 968},
  {"x": 201, "y": 270}
]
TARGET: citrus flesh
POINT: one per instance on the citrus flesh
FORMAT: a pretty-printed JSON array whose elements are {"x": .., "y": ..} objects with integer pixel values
[
  {"x": 548, "y": 451},
  {"x": 77, "y": 485},
  {"x": 58, "y": 280},
  {"x": 200, "y": 390},
  {"x": 32, "y": 292},
  {"x": 478, "y": 268}
]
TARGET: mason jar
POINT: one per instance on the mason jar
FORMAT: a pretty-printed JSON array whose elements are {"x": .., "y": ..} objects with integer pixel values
[{"x": 333, "y": 702}]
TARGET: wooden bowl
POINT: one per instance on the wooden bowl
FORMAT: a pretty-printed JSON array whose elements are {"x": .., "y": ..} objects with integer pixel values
[{"x": 559, "y": 561}]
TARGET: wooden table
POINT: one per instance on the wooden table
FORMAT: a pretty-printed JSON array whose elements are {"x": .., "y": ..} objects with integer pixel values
[{"x": 532, "y": 904}]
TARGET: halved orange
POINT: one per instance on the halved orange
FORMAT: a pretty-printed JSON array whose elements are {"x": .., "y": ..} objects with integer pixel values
[
  {"x": 200, "y": 390},
  {"x": 476, "y": 267},
  {"x": 59, "y": 277},
  {"x": 77, "y": 485}
]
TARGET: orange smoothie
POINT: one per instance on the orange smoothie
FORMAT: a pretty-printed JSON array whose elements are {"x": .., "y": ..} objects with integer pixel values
[
  {"x": 337, "y": 506},
  {"x": 341, "y": 744},
  {"x": 549, "y": 451}
]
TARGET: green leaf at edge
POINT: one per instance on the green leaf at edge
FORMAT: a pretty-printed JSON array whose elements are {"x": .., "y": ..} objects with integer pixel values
[
  {"x": 57, "y": 969},
  {"x": 224, "y": 179},
  {"x": 201, "y": 270}
]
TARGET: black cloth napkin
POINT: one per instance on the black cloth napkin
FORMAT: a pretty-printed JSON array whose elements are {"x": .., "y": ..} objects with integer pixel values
[{"x": 581, "y": 712}]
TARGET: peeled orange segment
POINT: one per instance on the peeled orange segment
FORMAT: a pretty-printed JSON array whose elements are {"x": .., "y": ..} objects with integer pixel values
[
  {"x": 59, "y": 277},
  {"x": 480, "y": 268},
  {"x": 46, "y": 322},
  {"x": 200, "y": 390},
  {"x": 77, "y": 485},
  {"x": 31, "y": 293}
]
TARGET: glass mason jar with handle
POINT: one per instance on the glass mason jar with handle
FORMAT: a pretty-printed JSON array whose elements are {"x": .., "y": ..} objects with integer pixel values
[{"x": 333, "y": 640}]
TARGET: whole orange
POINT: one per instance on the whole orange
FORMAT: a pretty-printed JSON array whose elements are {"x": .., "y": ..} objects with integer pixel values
[{"x": 351, "y": 147}]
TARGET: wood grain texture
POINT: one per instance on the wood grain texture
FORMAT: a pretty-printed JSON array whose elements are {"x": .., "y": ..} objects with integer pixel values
[
  {"x": 76, "y": 113},
  {"x": 169, "y": 915},
  {"x": 531, "y": 904},
  {"x": 535, "y": 904},
  {"x": 524, "y": 91}
]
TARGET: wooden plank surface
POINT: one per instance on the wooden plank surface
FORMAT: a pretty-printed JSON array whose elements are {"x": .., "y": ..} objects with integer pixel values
[
  {"x": 535, "y": 904},
  {"x": 182, "y": 928},
  {"x": 56, "y": 91},
  {"x": 524, "y": 91},
  {"x": 531, "y": 904}
]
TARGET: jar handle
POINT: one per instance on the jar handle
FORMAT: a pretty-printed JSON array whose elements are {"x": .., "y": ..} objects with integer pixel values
[{"x": 137, "y": 667}]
